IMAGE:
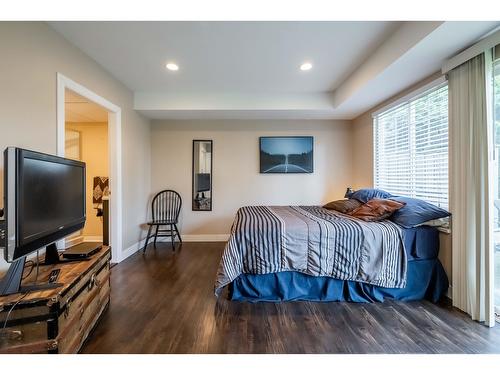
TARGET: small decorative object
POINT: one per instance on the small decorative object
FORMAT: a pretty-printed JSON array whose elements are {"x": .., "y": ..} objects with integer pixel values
[
  {"x": 348, "y": 192},
  {"x": 286, "y": 154},
  {"x": 101, "y": 189},
  {"x": 202, "y": 175}
]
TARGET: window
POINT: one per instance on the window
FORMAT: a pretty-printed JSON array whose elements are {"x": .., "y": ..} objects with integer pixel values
[{"x": 411, "y": 146}]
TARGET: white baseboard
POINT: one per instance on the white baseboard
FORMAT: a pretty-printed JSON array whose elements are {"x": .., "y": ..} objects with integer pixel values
[
  {"x": 186, "y": 238},
  {"x": 131, "y": 250},
  {"x": 205, "y": 237},
  {"x": 198, "y": 238},
  {"x": 72, "y": 242},
  {"x": 92, "y": 238}
]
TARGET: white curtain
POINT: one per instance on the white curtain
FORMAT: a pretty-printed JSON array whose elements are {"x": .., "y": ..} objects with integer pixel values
[{"x": 470, "y": 153}]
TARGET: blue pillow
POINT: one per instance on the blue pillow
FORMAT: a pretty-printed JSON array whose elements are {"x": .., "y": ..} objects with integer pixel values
[
  {"x": 416, "y": 212},
  {"x": 364, "y": 195}
]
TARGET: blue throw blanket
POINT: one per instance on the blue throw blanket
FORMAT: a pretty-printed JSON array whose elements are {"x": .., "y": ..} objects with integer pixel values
[{"x": 314, "y": 241}]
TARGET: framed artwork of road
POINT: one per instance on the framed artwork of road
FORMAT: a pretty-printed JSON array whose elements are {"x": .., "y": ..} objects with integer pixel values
[{"x": 286, "y": 154}]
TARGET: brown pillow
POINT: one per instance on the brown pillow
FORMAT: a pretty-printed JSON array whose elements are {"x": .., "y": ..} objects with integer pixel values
[
  {"x": 376, "y": 209},
  {"x": 344, "y": 205}
]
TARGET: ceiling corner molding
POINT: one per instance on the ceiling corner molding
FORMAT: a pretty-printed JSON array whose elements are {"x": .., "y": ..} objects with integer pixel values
[
  {"x": 400, "y": 42},
  {"x": 234, "y": 105}
]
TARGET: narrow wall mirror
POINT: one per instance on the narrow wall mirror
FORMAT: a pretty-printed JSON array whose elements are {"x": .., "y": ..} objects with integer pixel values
[{"x": 202, "y": 175}]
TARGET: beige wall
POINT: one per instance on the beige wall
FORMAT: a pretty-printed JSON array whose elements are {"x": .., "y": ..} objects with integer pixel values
[
  {"x": 31, "y": 55},
  {"x": 362, "y": 151},
  {"x": 237, "y": 181},
  {"x": 362, "y": 156},
  {"x": 94, "y": 152}
]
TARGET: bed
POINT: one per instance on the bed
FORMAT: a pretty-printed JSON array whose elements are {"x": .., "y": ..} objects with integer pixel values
[{"x": 286, "y": 253}]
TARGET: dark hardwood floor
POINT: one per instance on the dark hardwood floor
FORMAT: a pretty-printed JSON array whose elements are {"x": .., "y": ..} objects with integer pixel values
[{"x": 163, "y": 302}]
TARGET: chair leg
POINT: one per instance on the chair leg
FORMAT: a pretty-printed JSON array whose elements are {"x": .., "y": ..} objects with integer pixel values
[
  {"x": 147, "y": 239},
  {"x": 156, "y": 235},
  {"x": 178, "y": 234},
  {"x": 172, "y": 236}
]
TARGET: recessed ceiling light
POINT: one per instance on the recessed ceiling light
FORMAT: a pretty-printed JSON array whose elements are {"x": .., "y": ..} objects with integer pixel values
[
  {"x": 306, "y": 66},
  {"x": 172, "y": 66}
]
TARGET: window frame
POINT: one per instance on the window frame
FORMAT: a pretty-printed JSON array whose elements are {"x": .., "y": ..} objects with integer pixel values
[{"x": 403, "y": 101}]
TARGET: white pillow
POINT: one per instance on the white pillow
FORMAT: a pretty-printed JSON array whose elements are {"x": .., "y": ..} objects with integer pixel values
[{"x": 442, "y": 224}]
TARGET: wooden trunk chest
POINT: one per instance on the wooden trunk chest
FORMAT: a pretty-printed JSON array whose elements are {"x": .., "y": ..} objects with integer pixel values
[{"x": 57, "y": 320}]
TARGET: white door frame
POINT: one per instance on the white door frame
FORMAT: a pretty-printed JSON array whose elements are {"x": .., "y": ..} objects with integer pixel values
[{"x": 115, "y": 153}]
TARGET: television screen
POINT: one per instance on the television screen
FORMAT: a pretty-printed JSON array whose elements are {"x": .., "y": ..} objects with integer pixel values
[
  {"x": 45, "y": 200},
  {"x": 286, "y": 154},
  {"x": 51, "y": 198}
]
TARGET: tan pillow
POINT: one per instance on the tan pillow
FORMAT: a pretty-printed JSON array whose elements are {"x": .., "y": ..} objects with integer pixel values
[
  {"x": 344, "y": 205},
  {"x": 376, "y": 209}
]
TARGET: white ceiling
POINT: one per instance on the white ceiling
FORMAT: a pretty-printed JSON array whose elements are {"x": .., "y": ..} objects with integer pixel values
[
  {"x": 251, "y": 69},
  {"x": 227, "y": 56},
  {"x": 80, "y": 109}
]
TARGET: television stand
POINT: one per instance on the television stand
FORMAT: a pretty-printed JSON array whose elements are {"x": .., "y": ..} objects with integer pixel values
[{"x": 57, "y": 320}]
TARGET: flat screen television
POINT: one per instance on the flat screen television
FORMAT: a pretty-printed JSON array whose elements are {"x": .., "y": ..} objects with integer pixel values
[{"x": 44, "y": 201}]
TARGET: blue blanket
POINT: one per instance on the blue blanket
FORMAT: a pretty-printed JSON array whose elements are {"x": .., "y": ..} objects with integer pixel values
[{"x": 426, "y": 280}]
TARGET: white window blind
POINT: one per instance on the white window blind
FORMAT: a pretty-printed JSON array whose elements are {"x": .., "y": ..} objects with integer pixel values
[{"x": 411, "y": 147}]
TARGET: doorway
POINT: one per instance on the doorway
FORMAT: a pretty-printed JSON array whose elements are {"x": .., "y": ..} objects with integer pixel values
[
  {"x": 86, "y": 139},
  {"x": 89, "y": 128}
]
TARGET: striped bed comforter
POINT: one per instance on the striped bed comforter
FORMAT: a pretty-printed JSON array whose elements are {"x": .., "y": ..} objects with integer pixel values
[{"x": 314, "y": 241}]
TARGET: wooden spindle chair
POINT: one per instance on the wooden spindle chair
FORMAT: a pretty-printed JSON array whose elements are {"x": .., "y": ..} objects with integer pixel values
[{"x": 165, "y": 210}]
